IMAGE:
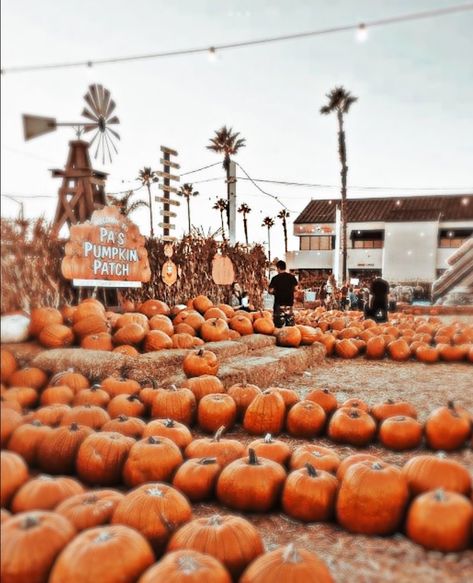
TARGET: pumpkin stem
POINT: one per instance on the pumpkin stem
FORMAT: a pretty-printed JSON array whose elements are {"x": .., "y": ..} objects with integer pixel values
[
  {"x": 200, "y": 352},
  {"x": 153, "y": 440},
  {"x": 132, "y": 398},
  {"x": 169, "y": 422},
  {"x": 36, "y": 423},
  {"x": 290, "y": 554},
  {"x": 29, "y": 521},
  {"x": 354, "y": 413},
  {"x": 187, "y": 565},
  {"x": 215, "y": 520},
  {"x": 451, "y": 405},
  {"x": 73, "y": 426},
  {"x": 442, "y": 455},
  {"x": 376, "y": 466},
  {"x": 103, "y": 537},
  {"x": 252, "y": 459},
  {"x": 326, "y": 391},
  {"x": 207, "y": 461},
  {"x": 154, "y": 491},
  {"x": 219, "y": 433},
  {"x": 439, "y": 495},
  {"x": 311, "y": 470},
  {"x": 122, "y": 418},
  {"x": 389, "y": 402},
  {"x": 268, "y": 438}
]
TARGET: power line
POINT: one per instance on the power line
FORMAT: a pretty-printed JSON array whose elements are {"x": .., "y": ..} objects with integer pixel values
[
  {"x": 260, "y": 189},
  {"x": 199, "y": 169},
  {"x": 253, "y": 42}
]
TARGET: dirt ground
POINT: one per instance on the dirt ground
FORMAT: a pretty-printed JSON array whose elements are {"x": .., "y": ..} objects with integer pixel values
[{"x": 362, "y": 559}]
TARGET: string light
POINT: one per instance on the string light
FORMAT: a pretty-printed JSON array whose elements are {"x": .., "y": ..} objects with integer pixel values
[
  {"x": 361, "y": 33},
  {"x": 212, "y": 55}
]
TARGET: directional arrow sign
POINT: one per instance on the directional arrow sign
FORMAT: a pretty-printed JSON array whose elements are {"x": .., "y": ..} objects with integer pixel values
[
  {"x": 166, "y": 225},
  {"x": 167, "y": 188},
  {"x": 167, "y": 175},
  {"x": 167, "y": 214},
  {"x": 167, "y": 200},
  {"x": 170, "y": 163},
  {"x": 168, "y": 238},
  {"x": 168, "y": 151}
]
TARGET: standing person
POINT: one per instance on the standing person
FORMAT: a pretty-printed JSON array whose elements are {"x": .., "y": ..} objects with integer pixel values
[
  {"x": 344, "y": 303},
  {"x": 322, "y": 293},
  {"x": 235, "y": 296},
  {"x": 378, "y": 305},
  {"x": 352, "y": 299},
  {"x": 283, "y": 286}
]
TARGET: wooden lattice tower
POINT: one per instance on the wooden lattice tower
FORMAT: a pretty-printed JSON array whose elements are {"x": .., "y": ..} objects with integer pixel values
[
  {"x": 82, "y": 190},
  {"x": 166, "y": 200}
]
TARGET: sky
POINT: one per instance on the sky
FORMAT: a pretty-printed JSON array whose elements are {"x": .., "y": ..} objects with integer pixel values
[{"x": 411, "y": 129}]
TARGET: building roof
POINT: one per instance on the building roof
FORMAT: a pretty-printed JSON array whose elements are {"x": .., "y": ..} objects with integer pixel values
[{"x": 392, "y": 209}]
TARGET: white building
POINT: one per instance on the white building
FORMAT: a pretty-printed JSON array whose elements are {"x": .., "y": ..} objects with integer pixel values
[{"x": 404, "y": 239}]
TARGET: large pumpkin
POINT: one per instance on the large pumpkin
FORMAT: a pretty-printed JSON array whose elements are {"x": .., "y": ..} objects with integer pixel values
[
  {"x": 214, "y": 411},
  {"x": 242, "y": 325},
  {"x": 375, "y": 348},
  {"x": 232, "y": 540},
  {"x": 30, "y": 543},
  {"x": 26, "y": 440},
  {"x": 352, "y": 460},
  {"x": 346, "y": 348},
  {"x": 201, "y": 362},
  {"x": 223, "y": 450},
  {"x": 101, "y": 457},
  {"x": 289, "y": 336},
  {"x": 94, "y": 395},
  {"x": 57, "y": 451},
  {"x": 56, "y": 336},
  {"x": 204, "y": 385},
  {"x": 400, "y": 433},
  {"x": 13, "y": 474},
  {"x": 399, "y": 350},
  {"x": 104, "y": 553},
  {"x": 287, "y": 564},
  {"x": 130, "y": 405},
  {"x": 353, "y": 426},
  {"x": 309, "y": 494},
  {"x": 151, "y": 308},
  {"x": 318, "y": 456},
  {"x": 446, "y": 428},
  {"x": 243, "y": 394},
  {"x": 41, "y": 317},
  {"x": 45, "y": 493},
  {"x": 32, "y": 377},
  {"x": 324, "y": 398},
  {"x": 186, "y": 567},
  {"x": 8, "y": 365},
  {"x": 197, "y": 477},
  {"x": 264, "y": 326},
  {"x": 428, "y": 472},
  {"x": 89, "y": 415},
  {"x": 116, "y": 386},
  {"x": 151, "y": 459},
  {"x": 130, "y": 334},
  {"x": 156, "y": 340},
  {"x": 391, "y": 408},
  {"x": 265, "y": 414},
  {"x": 272, "y": 449},
  {"x": 202, "y": 304},
  {"x": 156, "y": 510},
  {"x": 440, "y": 521},
  {"x": 305, "y": 419},
  {"x": 372, "y": 498},
  {"x": 251, "y": 484},
  {"x": 94, "y": 508},
  {"x": 173, "y": 430},
  {"x": 128, "y": 426},
  {"x": 173, "y": 403}
]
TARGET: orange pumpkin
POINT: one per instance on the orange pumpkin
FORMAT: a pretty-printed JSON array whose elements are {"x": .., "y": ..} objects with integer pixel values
[
  {"x": 222, "y": 449},
  {"x": 182, "y": 340},
  {"x": 289, "y": 336},
  {"x": 214, "y": 330},
  {"x": 152, "y": 308},
  {"x": 45, "y": 493},
  {"x": 346, "y": 349},
  {"x": 102, "y": 341},
  {"x": 13, "y": 474},
  {"x": 243, "y": 394},
  {"x": 216, "y": 410},
  {"x": 265, "y": 414},
  {"x": 190, "y": 566},
  {"x": 446, "y": 428},
  {"x": 162, "y": 323},
  {"x": 201, "y": 362},
  {"x": 428, "y": 472},
  {"x": 324, "y": 398},
  {"x": 130, "y": 334},
  {"x": 264, "y": 326},
  {"x": 156, "y": 340},
  {"x": 242, "y": 325},
  {"x": 8, "y": 365},
  {"x": 305, "y": 419},
  {"x": 321, "y": 458},
  {"x": 399, "y": 350},
  {"x": 41, "y": 317},
  {"x": 56, "y": 336},
  {"x": 352, "y": 426},
  {"x": 31, "y": 377},
  {"x": 202, "y": 304},
  {"x": 400, "y": 433}
]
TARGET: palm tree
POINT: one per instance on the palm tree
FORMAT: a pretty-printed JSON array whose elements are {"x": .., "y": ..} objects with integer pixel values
[
  {"x": 147, "y": 176},
  {"x": 221, "y": 205},
  {"x": 228, "y": 143},
  {"x": 339, "y": 101},
  {"x": 269, "y": 223},
  {"x": 283, "y": 215},
  {"x": 187, "y": 190},
  {"x": 123, "y": 203},
  {"x": 244, "y": 209}
]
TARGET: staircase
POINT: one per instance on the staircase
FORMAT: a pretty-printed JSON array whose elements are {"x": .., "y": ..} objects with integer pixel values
[{"x": 455, "y": 285}]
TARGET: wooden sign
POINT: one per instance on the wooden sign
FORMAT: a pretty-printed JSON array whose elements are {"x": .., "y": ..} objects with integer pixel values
[
  {"x": 167, "y": 150},
  {"x": 169, "y": 273},
  {"x": 166, "y": 225},
  {"x": 167, "y": 213},
  {"x": 170, "y": 163},
  {"x": 167, "y": 201},
  {"x": 168, "y": 176},
  {"x": 167, "y": 188},
  {"x": 107, "y": 251},
  {"x": 223, "y": 272}
]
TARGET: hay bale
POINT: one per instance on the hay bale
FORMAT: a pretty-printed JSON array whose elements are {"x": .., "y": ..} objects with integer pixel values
[
  {"x": 226, "y": 348},
  {"x": 257, "y": 341},
  {"x": 159, "y": 365},
  {"x": 94, "y": 364},
  {"x": 24, "y": 352}
]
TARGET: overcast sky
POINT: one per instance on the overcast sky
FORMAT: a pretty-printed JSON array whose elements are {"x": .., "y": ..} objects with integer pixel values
[{"x": 412, "y": 127}]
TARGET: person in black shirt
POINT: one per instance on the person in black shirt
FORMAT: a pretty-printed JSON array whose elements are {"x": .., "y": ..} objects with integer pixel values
[
  {"x": 378, "y": 303},
  {"x": 283, "y": 286}
]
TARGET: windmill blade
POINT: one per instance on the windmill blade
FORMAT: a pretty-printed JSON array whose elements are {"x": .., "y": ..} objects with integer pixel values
[
  {"x": 110, "y": 108},
  {"x": 113, "y": 120},
  {"x": 106, "y": 101},
  {"x": 94, "y": 138},
  {"x": 88, "y": 127},
  {"x": 101, "y": 99},
  {"x": 108, "y": 147},
  {"x": 109, "y": 138},
  {"x": 94, "y": 97},
  {"x": 116, "y": 134},
  {"x": 89, "y": 115},
  {"x": 90, "y": 102},
  {"x": 99, "y": 134}
]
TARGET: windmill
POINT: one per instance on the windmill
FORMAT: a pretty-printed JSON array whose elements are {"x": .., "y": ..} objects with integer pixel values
[{"x": 83, "y": 188}]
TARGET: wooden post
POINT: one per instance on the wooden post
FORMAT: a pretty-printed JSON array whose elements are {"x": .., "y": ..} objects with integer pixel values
[
  {"x": 165, "y": 174},
  {"x": 232, "y": 203}
]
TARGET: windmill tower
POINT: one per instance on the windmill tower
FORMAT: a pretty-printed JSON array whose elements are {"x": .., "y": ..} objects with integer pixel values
[{"x": 82, "y": 189}]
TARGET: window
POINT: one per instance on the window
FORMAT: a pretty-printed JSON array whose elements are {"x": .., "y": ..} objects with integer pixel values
[
  {"x": 367, "y": 239},
  {"x": 453, "y": 238},
  {"x": 319, "y": 243}
]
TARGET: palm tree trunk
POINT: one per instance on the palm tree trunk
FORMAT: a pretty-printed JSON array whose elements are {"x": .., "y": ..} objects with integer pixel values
[
  {"x": 189, "y": 213},
  {"x": 245, "y": 227},
  {"x": 269, "y": 246},
  {"x": 226, "y": 164},
  {"x": 343, "y": 206},
  {"x": 223, "y": 224},
  {"x": 284, "y": 226},
  {"x": 151, "y": 231}
]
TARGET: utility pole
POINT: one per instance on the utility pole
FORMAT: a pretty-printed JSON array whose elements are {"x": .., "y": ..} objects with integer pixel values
[{"x": 231, "y": 190}]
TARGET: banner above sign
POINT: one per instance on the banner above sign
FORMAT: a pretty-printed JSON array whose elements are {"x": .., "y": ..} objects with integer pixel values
[{"x": 107, "y": 251}]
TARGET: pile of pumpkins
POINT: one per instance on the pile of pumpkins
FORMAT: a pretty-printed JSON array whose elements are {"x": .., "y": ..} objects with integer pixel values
[
  {"x": 90, "y": 440},
  {"x": 348, "y": 335},
  {"x": 153, "y": 325}
]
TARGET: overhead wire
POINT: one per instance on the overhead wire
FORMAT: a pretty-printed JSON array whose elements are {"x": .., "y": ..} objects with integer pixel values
[{"x": 252, "y": 42}]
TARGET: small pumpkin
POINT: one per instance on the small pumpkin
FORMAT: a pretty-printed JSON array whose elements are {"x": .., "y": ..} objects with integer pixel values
[
  {"x": 354, "y": 403},
  {"x": 130, "y": 334},
  {"x": 26, "y": 440},
  {"x": 128, "y": 426},
  {"x": 89, "y": 415},
  {"x": 9, "y": 421},
  {"x": 446, "y": 428},
  {"x": 130, "y": 405},
  {"x": 232, "y": 540},
  {"x": 107, "y": 553},
  {"x": 101, "y": 457},
  {"x": 400, "y": 433},
  {"x": 214, "y": 330},
  {"x": 399, "y": 350},
  {"x": 272, "y": 449},
  {"x": 42, "y": 317},
  {"x": 186, "y": 566},
  {"x": 126, "y": 350},
  {"x": 306, "y": 419},
  {"x": 173, "y": 430},
  {"x": 162, "y": 323},
  {"x": 156, "y": 340},
  {"x": 251, "y": 484},
  {"x": 13, "y": 474},
  {"x": 391, "y": 408},
  {"x": 50, "y": 415},
  {"x": 288, "y": 564},
  {"x": 427, "y": 354},
  {"x": 8, "y": 365},
  {"x": 202, "y": 303},
  {"x": 57, "y": 451},
  {"x": 197, "y": 477},
  {"x": 116, "y": 386},
  {"x": 318, "y": 456},
  {"x": 201, "y": 362},
  {"x": 265, "y": 414},
  {"x": 242, "y": 325},
  {"x": 44, "y": 493},
  {"x": 94, "y": 395},
  {"x": 151, "y": 459},
  {"x": 264, "y": 326},
  {"x": 56, "y": 336},
  {"x": 309, "y": 494},
  {"x": 155, "y": 510},
  {"x": 222, "y": 449},
  {"x": 346, "y": 348},
  {"x": 375, "y": 348},
  {"x": 243, "y": 394},
  {"x": 75, "y": 380},
  {"x": 204, "y": 385},
  {"x": 325, "y": 399},
  {"x": 289, "y": 336},
  {"x": 352, "y": 426},
  {"x": 26, "y": 397},
  {"x": 440, "y": 521},
  {"x": 428, "y": 472},
  {"x": 214, "y": 411},
  {"x": 372, "y": 498},
  {"x": 173, "y": 403},
  {"x": 31, "y": 377},
  {"x": 132, "y": 318},
  {"x": 30, "y": 543},
  {"x": 90, "y": 509},
  {"x": 56, "y": 395},
  {"x": 182, "y": 340},
  {"x": 151, "y": 308},
  {"x": 289, "y": 396},
  {"x": 94, "y": 324}
]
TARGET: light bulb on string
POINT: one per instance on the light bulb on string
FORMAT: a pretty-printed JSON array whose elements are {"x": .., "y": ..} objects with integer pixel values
[
  {"x": 212, "y": 54},
  {"x": 361, "y": 33}
]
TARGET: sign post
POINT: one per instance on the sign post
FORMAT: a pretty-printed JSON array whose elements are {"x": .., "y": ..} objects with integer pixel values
[{"x": 168, "y": 167}]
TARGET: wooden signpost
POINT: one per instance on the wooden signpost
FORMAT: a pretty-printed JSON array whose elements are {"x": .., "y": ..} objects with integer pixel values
[
  {"x": 167, "y": 189},
  {"x": 107, "y": 251}
]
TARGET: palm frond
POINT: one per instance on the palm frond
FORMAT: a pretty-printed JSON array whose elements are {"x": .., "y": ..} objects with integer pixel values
[{"x": 136, "y": 205}]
